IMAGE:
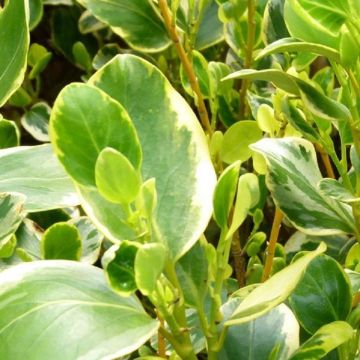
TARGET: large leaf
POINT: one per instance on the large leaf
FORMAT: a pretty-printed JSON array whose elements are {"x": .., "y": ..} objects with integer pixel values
[
  {"x": 175, "y": 151},
  {"x": 136, "y": 21},
  {"x": 257, "y": 339},
  {"x": 272, "y": 292},
  {"x": 323, "y": 295},
  {"x": 79, "y": 132},
  {"x": 316, "y": 21},
  {"x": 14, "y": 40},
  {"x": 327, "y": 338},
  {"x": 35, "y": 172},
  {"x": 292, "y": 178},
  {"x": 65, "y": 310}
]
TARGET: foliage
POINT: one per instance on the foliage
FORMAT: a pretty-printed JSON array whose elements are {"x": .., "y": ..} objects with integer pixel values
[{"x": 180, "y": 179}]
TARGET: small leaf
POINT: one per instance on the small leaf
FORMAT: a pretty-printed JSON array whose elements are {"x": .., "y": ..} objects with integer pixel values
[
  {"x": 274, "y": 291},
  {"x": 225, "y": 193},
  {"x": 9, "y": 134},
  {"x": 116, "y": 178},
  {"x": 119, "y": 267},
  {"x": 149, "y": 264},
  {"x": 61, "y": 241},
  {"x": 238, "y": 137},
  {"x": 266, "y": 120},
  {"x": 326, "y": 339},
  {"x": 323, "y": 295}
]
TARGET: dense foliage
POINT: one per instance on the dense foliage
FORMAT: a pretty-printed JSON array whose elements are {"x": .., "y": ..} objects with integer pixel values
[{"x": 188, "y": 180}]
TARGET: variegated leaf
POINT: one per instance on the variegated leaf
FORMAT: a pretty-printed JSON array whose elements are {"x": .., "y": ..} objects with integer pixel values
[{"x": 292, "y": 178}]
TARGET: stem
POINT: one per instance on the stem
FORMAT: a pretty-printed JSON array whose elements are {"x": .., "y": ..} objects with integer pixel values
[
  {"x": 326, "y": 160},
  {"x": 272, "y": 244},
  {"x": 239, "y": 261},
  {"x": 251, "y": 5},
  {"x": 161, "y": 339},
  {"x": 171, "y": 28}
]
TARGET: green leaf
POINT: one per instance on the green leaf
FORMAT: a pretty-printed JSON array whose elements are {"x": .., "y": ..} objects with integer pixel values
[
  {"x": 61, "y": 241},
  {"x": 137, "y": 22},
  {"x": 36, "y": 121},
  {"x": 352, "y": 260},
  {"x": 14, "y": 40},
  {"x": 257, "y": 338},
  {"x": 11, "y": 214},
  {"x": 77, "y": 123},
  {"x": 36, "y": 12},
  {"x": 175, "y": 151},
  {"x": 294, "y": 45},
  {"x": 272, "y": 292},
  {"x": 116, "y": 178},
  {"x": 322, "y": 296},
  {"x": 266, "y": 121},
  {"x": 292, "y": 178},
  {"x": 192, "y": 270},
  {"x": 317, "y": 21},
  {"x": 105, "y": 54},
  {"x": 81, "y": 56},
  {"x": 279, "y": 78},
  {"x": 337, "y": 191},
  {"x": 225, "y": 193},
  {"x": 149, "y": 264},
  {"x": 326, "y": 339},
  {"x": 91, "y": 239},
  {"x": 119, "y": 267},
  {"x": 65, "y": 310},
  {"x": 9, "y": 134},
  {"x": 238, "y": 137},
  {"x": 274, "y": 27},
  {"x": 35, "y": 172},
  {"x": 88, "y": 23}
]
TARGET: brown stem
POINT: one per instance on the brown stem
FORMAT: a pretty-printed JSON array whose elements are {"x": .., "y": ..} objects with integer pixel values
[
  {"x": 239, "y": 261},
  {"x": 171, "y": 28},
  {"x": 272, "y": 244},
  {"x": 161, "y": 339},
  {"x": 326, "y": 160},
  {"x": 251, "y": 4}
]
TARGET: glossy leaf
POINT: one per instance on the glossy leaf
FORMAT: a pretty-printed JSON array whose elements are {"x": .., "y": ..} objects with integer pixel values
[
  {"x": 14, "y": 40},
  {"x": 61, "y": 241},
  {"x": 36, "y": 12},
  {"x": 225, "y": 193},
  {"x": 279, "y": 78},
  {"x": 180, "y": 162},
  {"x": 77, "y": 123},
  {"x": 36, "y": 121},
  {"x": 119, "y": 266},
  {"x": 272, "y": 292},
  {"x": 237, "y": 139},
  {"x": 9, "y": 134},
  {"x": 192, "y": 270},
  {"x": 274, "y": 27},
  {"x": 294, "y": 45},
  {"x": 149, "y": 264},
  {"x": 292, "y": 178},
  {"x": 36, "y": 173},
  {"x": 91, "y": 239},
  {"x": 337, "y": 191},
  {"x": 137, "y": 22},
  {"x": 65, "y": 310},
  {"x": 316, "y": 21},
  {"x": 116, "y": 178},
  {"x": 257, "y": 338},
  {"x": 327, "y": 338},
  {"x": 322, "y": 296}
]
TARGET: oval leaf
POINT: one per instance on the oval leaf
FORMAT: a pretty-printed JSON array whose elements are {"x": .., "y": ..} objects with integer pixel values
[
  {"x": 175, "y": 151},
  {"x": 323, "y": 295},
  {"x": 292, "y": 178},
  {"x": 64, "y": 310}
]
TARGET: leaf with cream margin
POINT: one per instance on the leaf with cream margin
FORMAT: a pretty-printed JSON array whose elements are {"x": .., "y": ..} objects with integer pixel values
[
  {"x": 293, "y": 177},
  {"x": 175, "y": 151},
  {"x": 62, "y": 309}
]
